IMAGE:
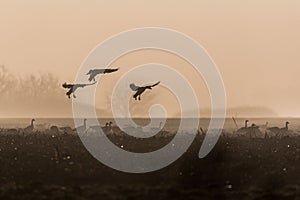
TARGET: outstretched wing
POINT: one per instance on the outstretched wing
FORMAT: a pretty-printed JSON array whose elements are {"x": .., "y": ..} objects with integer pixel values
[
  {"x": 84, "y": 85},
  {"x": 155, "y": 84},
  {"x": 94, "y": 72},
  {"x": 110, "y": 70},
  {"x": 133, "y": 87}
]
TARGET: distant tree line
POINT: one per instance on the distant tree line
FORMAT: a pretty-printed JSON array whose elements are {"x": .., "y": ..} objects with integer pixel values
[{"x": 31, "y": 86}]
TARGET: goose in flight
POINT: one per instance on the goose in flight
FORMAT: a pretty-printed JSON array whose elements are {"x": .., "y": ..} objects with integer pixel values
[
  {"x": 94, "y": 72},
  {"x": 141, "y": 90},
  {"x": 73, "y": 87}
]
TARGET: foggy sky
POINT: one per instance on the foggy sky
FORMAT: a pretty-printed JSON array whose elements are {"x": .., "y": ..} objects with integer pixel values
[{"x": 255, "y": 44}]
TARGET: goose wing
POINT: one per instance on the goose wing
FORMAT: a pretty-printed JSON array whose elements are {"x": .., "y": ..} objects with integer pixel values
[
  {"x": 95, "y": 71},
  {"x": 133, "y": 87},
  {"x": 84, "y": 85},
  {"x": 155, "y": 84},
  {"x": 110, "y": 70},
  {"x": 273, "y": 129}
]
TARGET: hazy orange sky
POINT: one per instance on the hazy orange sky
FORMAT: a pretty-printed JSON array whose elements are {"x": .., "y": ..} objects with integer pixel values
[{"x": 255, "y": 44}]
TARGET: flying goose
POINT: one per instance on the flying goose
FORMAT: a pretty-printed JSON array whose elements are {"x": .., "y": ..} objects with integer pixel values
[
  {"x": 140, "y": 90},
  {"x": 94, "y": 72},
  {"x": 73, "y": 87}
]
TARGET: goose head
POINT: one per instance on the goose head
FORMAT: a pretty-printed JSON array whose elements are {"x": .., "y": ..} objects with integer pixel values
[
  {"x": 90, "y": 72},
  {"x": 254, "y": 126},
  {"x": 246, "y": 122},
  {"x": 64, "y": 85},
  {"x": 287, "y": 124}
]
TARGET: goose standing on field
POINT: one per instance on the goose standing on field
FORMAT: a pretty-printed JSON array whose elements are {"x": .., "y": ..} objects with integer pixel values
[
  {"x": 29, "y": 129},
  {"x": 278, "y": 131},
  {"x": 66, "y": 130},
  {"x": 54, "y": 129},
  {"x": 157, "y": 129},
  {"x": 201, "y": 131},
  {"x": 243, "y": 129},
  {"x": 108, "y": 128},
  {"x": 94, "y": 72},
  {"x": 97, "y": 128},
  {"x": 81, "y": 129},
  {"x": 284, "y": 130},
  {"x": 254, "y": 131}
]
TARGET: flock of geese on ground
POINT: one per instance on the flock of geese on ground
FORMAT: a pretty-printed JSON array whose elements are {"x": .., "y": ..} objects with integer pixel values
[
  {"x": 57, "y": 130},
  {"x": 82, "y": 130},
  {"x": 263, "y": 131},
  {"x": 252, "y": 131}
]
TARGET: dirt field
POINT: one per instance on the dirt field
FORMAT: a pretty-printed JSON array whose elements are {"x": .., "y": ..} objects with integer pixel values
[{"x": 44, "y": 166}]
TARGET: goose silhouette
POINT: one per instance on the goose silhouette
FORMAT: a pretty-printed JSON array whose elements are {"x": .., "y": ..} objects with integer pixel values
[
  {"x": 279, "y": 131},
  {"x": 107, "y": 126},
  {"x": 30, "y": 128},
  {"x": 140, "y": 90},
  {"x": 73, "y": 87},
  {"x": 245, "y": 128},
  {"x": 82, "y": 129},
  {"x": 94, "y": 72}
]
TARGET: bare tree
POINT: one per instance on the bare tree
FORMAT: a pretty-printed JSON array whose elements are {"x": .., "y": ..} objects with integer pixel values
[{"x": 7, "y": 83}]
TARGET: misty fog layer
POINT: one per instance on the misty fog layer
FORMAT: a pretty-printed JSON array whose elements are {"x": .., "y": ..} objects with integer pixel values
[
  {"x": 42, "y": 96},
  {"x": 31, "y": 95}
]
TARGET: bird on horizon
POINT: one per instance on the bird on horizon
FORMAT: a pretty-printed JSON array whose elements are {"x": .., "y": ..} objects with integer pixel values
[
  {"x": 73, "y": 87},
  {"x": 254, "y": 131},
  {"x": 29, "y": 128},
  {"x": 82, "y": 129},
  {"x": 94, "y": 72},
  {"x": 140, "y": 90},
  {"x": 245, "y": 128},
  {"x": 279, "y": 131}
]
